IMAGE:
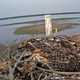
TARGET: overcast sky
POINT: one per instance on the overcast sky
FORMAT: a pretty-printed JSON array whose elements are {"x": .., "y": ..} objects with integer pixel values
[{"x": 21, "y": 7}]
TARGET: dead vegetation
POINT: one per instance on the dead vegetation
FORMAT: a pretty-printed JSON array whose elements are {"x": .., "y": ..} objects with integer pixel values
[{"x": 56, "y": 58}]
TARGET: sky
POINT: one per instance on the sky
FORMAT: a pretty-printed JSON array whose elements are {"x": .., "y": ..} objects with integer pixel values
[{"x": 23, "y": 7}]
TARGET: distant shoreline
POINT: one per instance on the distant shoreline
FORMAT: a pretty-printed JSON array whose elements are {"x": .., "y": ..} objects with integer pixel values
[{"x": 40, "y": 29}]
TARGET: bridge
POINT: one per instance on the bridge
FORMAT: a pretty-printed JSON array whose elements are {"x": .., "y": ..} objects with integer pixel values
[{"x": 37, "y": 15}]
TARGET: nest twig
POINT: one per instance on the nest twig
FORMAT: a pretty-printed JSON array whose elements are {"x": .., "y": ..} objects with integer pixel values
[{"x": 45, "y": 59}]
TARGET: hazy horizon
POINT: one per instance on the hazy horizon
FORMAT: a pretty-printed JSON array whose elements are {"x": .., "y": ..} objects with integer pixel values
[{"x": 21, "y": 7}]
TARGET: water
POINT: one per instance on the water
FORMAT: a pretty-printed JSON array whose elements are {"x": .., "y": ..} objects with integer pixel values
[
  {"x": 7, "y": 35},
  {"x": 27, "y": 7},
  {"x": 68, "y": 32}
]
